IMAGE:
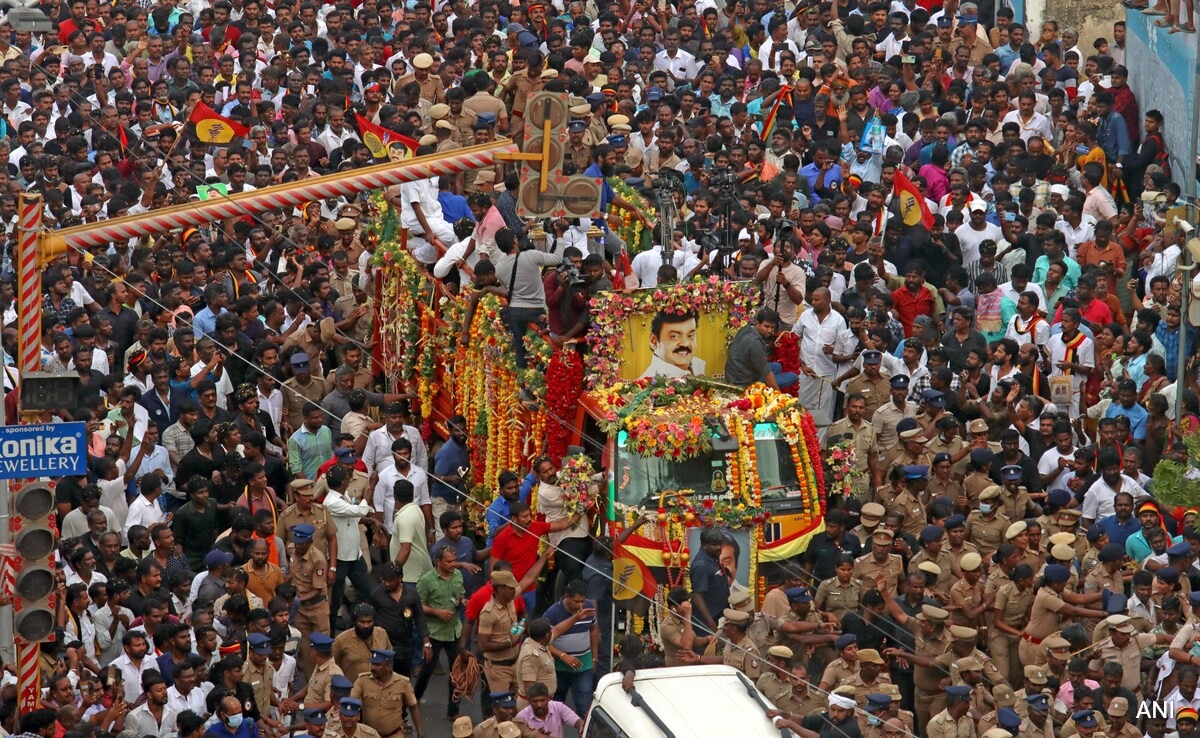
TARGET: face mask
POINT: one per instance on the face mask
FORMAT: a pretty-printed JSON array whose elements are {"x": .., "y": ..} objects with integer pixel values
[
  {"x": 985, "y": 508},
  {"x": 873, "y": 720},
  {"x": 234, "y": 721},
  {"x": 364, "y": 632}
]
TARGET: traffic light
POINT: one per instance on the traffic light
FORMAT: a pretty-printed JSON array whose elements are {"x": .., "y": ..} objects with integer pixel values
[
  {"x": 35, "y": 537},
  {"x": 545, "y": 191}
]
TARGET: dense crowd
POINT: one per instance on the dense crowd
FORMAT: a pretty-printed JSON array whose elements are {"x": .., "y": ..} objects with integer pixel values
[{"x": 962, "y": 220}]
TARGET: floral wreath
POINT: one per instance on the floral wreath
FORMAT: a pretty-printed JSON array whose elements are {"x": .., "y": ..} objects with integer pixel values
[{"x": 611, "y": 312}]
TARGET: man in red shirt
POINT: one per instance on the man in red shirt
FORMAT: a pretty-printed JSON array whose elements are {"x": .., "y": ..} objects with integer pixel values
[
  {"x": 914, "y": 298},
  {"x": 77, "y": 22},
  {"x": 518, "y": 543},
  {"x": 1094, "y": 312}
]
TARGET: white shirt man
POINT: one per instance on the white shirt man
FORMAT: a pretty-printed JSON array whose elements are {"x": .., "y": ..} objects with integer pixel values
[
  {"x": 682, "y": 65},
  {"x": 1023, "y": 331},
  {"x": 141, "y": 722},
  {"x": 646, "y": 265},
  {"x": 385, "y": 498},
  {"x": 1049, "y": 462},
  {"x": 424, "y": 193},
  {"x": 1082, "y": 352},
  {"x": 143, "y": 511},
  {"x": 345, "y": 516},
  {"x": 1099, "y": 499},
  {"x": 817, "y": 332},
  {"x": 193, "y": 700},
  {"x": 970, "y": 236},
  {"x": 377, "y": 455},
  {"x": 1037, "y": 125},
  {"x": 131, "y": 673}
]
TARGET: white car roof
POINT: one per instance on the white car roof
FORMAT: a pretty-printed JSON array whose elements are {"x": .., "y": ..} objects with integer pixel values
[{"x": 693, "y": 702}]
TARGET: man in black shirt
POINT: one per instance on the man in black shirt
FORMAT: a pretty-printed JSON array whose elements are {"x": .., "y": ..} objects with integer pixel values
[
  {"x": 399, "y": 612},
  {"x": 827, "y": 546},
  {"x": 124, "y": 321}
]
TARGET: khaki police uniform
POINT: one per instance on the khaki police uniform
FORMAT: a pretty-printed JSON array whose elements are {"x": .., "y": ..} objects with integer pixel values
[
  {"x": 875, "y": 391},
  {"x": 317, "y": 517},
  {"x": 384, "y": 702},
  {"x": 943, "y": 561},
  {"x": 944, "y": 726},
  {"x": 866, "y": 567},
  {"x": 836, "y": 598},
  {"x": 490, "y": 728},
  {"x": 534, "y": 664},
  {"x": 309, "y": 574},
  {"x": 1129, "y": 657},
  {"x": 987, "y": 533},
  {"x": 495, "y": 622},
  {"x": 862, "y": 688},
  {"x": 319, "y": 682},
  {"x": 929, "y": 698},
  {"x": 962, "y": 596},
  {"x": 837, "y": 672},
  {"x": 296, "y": 395},
  {"x": 353, "y": 654},
  {"x": 260, "y": 679},
  {"x": 746, "y": 658},
  {"x": 863, "y": 436}
]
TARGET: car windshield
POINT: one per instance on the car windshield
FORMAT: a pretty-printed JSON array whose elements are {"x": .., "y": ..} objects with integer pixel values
[
  {"x": 640, "y": 480},
  {"x": 776, "y": 468}
]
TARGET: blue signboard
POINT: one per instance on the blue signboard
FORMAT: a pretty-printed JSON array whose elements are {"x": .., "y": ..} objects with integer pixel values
[{"x": 49, "y": 450}]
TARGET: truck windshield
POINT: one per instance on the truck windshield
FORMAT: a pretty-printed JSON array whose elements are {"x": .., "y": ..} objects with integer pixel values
[
  {"x": 640, "y": 480},
  {"x": 776, "y": 469}
]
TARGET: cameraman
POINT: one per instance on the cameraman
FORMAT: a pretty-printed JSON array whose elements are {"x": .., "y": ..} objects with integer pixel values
[
  {"x": 783, "y": 283},
  {"x": 564, "y": 300},
  {"x": 594, "y": 282},
  {"x": 520, "y": 273}
]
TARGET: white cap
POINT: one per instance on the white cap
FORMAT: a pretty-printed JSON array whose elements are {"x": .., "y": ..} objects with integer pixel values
[
  {"x": 745, "y": 234},
  {"x": 1061, "y": 190}
]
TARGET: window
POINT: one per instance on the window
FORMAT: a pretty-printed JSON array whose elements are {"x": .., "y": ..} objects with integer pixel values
[
  {"x": 640, "y": 480},
  {"x": 599, "y": 725}
]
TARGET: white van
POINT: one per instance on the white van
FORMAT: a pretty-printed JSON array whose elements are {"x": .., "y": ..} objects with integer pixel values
[{"x": 681, "y": 702}]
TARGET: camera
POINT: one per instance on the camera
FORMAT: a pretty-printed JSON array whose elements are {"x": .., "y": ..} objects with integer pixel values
[
  {"x": 721, "y": 178},
  {"x": 574, "y": 277},
  {"x": 669, "y": 180}
]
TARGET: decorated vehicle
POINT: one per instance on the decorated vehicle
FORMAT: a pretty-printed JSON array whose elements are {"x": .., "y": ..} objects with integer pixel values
[{"x": 646, "y": 403}]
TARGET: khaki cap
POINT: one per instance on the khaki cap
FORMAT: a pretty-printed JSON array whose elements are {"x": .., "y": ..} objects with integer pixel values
[
  {"x": 508, "y": 729},
  {"x": 303, "y": 487},
  {"x": 930, "y": 568},
  {"x": 581, "y": 109},
  {"x": 1016, "y": 529},
  {"x": 549, "y": 74},
  {"x": 1071, "y": 512},
  {"x": 462, "y": 727},
  {"x": 978, "y": 425},
  {"x": 971, "y": 562},
  {"x": 422, "y": 61},
  {"x": 891, "y": 690},
  {"x": 740, "y": 600},
  {"x": 883, "y": 535},
  {"x": 487, "y": 175},
  {"x": 846, "y": 690},
  {"x": 444, "y": 125},
  {"x": 780, "y": 652},
  {"x": 736, "y": 616},
  {"x": 622, "y": 129},
  {"x": 1004, "y": 695},
  {"x": 427, "y": 140},
  {"x": 1119, "y": 706},
  {"x": 963, "y": 633},
  {"x": 929, "y": 612},
  {"x": 913, "y": 434},
  {"x": 1062, "y": 552},
  {"x": 991, "y": 492},
  {"x": 504, "y": 579},
  {"x": 1062, "y": 539},
  {"x": 1035, "y": 674},
  {"x": 1056, "y": 643},
  {"x": 969, "y": 663},
  {"x": 872, "y": 511},
  {"x": 618, "y": 120},
  {"x": 996, "y": 733},
  {"x": 345, "y": 224},
  {"x": 869, "y": 656},
  {"x": 438, "y": 111}
]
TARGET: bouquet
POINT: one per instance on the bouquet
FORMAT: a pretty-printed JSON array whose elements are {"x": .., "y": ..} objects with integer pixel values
[
  {"x": 575, "y": 480},
  {"x": 843, "y": 468}
]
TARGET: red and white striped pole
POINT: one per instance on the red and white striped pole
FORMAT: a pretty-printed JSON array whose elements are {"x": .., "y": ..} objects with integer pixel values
[
  {"x": 29, "y": 692},
  {"x": 29, "y": 283}
]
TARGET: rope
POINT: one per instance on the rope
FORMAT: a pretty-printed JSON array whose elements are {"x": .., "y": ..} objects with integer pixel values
[{"x": 464, "y": 676}]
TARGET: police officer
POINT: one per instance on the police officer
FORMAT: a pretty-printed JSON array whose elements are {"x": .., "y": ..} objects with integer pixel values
[
  {"x": 870, "y": 677},
  {"x": 954, "y": 721},
  {"x": 500, "y": 645},
  {"x": 775, "y": 680},
  {"x": 504, "y": 712},
  {"x": 384, "y": 695},
  {"x": 987, "y": 525},
  {"x": 881, "y": 561},
  {"x": 317, "y": 693},
  {"x": 305, "y": 386},
  {"x": 740, "y": 652},
  {"x": 932, "y": 539},
  {"x": 258, "y": 672},
  {"x": 350, "y": 714},
  {"x": 310, "y": 571}
]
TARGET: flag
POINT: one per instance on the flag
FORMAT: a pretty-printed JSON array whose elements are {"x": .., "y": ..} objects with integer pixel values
[
  {"x": 638, "y": 567},
  {"x": 124, "y": 138},
  {"x": 381, "y": 142},
  {"x": 623, "y": 269},
  {"x": 212, "y": 127},
  {"x": 913, "y": 210},
  {"x": 769, "y": 123}
]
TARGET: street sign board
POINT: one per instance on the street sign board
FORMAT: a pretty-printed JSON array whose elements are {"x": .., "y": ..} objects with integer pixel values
[{"x": 43, "y": 450}]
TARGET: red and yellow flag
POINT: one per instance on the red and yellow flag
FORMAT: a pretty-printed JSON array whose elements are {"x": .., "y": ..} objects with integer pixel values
[
  {"x": 382, "y": 143},
  {"x": 214, "y": 128},
  {"x": 913, "y": 210}
]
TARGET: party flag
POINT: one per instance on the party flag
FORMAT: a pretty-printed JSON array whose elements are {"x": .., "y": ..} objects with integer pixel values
[
  {"x": 382, "y": 143},
  {"x": 214, "y": 128}
]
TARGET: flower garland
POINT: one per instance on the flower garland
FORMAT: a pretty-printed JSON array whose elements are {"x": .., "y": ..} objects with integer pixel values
[
  {"x": 637, "y": 239},
  {"x": 729, "y": 304},
  {"x": 579, "y": 493},
  {"x": 843, "y": 469},
  {"x": 564, "y": 388}
]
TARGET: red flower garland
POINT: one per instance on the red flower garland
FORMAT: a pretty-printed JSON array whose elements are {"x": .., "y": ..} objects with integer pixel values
[
  {"x": 564, "y": 387},
  {"x": 810, "y": 440},
  {"x": 786, "y": 352}
]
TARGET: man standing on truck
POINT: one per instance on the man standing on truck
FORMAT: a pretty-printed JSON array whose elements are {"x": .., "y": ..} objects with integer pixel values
[{"x": 710, "y": 587}]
